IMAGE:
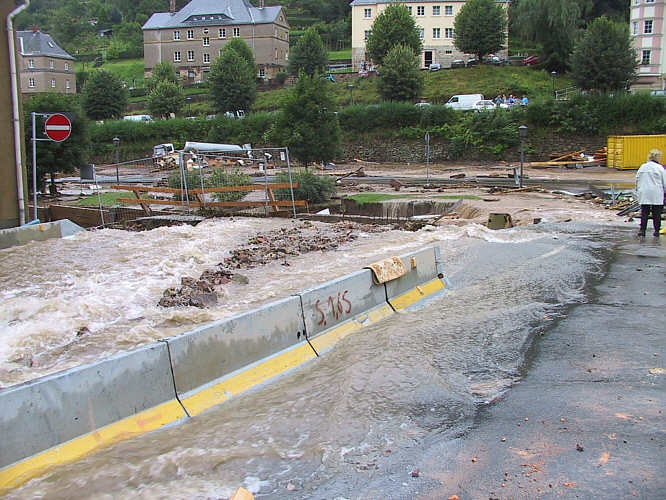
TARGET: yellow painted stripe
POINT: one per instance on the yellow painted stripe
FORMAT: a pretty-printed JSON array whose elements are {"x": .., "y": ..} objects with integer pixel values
[
  {"x": 247, "y": 379},
  {"x": 415, "y": 294},
  {"x": 328, "y": 339},
  {"x": 145, "y": 421}
]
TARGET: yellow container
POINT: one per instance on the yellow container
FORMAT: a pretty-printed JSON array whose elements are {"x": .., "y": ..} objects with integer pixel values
[{"x": 626, "y": 152}]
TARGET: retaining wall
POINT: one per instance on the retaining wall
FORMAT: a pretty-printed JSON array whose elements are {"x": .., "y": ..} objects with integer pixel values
[{"x": 62, "y": 417}]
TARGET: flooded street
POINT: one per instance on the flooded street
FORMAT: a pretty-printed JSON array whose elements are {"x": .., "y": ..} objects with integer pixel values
[{"x": 383, "y": 393}]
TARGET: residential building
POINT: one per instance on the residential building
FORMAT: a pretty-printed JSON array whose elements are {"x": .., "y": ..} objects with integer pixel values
[
  {"x": 647, "y": 28},
  {"x": 43, "y": 65},
  {"x": 193, "y": 37},
  {"x": 434, "y": 20}
]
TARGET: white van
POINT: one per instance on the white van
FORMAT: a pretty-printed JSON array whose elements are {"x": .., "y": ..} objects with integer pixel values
[
  {"x": 138, "y": 118},
  {"x": 464, "y": 101}
]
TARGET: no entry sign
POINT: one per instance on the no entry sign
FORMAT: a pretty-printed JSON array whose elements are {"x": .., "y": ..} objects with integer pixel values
[{"x": 58, "y": 127}]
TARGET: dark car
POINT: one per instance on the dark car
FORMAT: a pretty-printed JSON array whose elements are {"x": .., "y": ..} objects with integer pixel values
[
  {"x": 457, "y": 63},
  {"x": 472, "y": 62},
  {"x": 531, "y": 61}
]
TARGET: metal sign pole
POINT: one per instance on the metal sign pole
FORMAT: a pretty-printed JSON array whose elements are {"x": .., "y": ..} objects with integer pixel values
[
  {"x": 291, "y": 184},
  {"x": 34, "y": 165},
  {"x": 427, "y": 150}
]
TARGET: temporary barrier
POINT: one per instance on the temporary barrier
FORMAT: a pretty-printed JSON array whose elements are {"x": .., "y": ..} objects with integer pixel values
[
  {"x": 424, "y": 278},
  {"x": 217, "y": 361},
  {"x": 342, "y": 306},
  {"x": 37, "y": 232},
  {"x": 62, "y": 417}
]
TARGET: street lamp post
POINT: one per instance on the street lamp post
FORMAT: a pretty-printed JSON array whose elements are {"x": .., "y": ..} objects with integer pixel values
[
  {"x": 554, "y": 74},
  {"x": 116, "y": 143},
  {"x": 189, "y": 106},
  {"x": 523, "y": 133},
  {"x": 351, "y": 93}
]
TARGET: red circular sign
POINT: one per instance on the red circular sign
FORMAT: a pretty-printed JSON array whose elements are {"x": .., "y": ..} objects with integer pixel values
[{"x": 58, "y": 127}]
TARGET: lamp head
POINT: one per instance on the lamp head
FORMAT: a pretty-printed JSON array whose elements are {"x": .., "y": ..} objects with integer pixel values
[
  {"x": 522, "y": 130},
  {"x": 116, "y": 141}
]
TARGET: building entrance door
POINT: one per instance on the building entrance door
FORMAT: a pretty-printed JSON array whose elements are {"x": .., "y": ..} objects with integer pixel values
[{"x": 428, "y": 58}]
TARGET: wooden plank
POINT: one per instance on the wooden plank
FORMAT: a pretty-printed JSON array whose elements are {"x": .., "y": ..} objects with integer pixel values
[
  {"x": 145, "y": 206},
  {"x": 223, "y": 189},
  {"x": 272, "y": 198},
  {"x": 298, "y": 203}
]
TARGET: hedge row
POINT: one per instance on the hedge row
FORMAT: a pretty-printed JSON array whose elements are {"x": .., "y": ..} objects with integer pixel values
[{"x": 588, "y": 115}]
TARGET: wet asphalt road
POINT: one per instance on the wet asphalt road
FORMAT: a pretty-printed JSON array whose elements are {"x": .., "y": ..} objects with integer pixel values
[{"x": 587, "y": 421}]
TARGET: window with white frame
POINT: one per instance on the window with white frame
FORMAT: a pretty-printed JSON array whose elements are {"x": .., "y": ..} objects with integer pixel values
[
  {"x": 647, "y": 27},
  {"x": 436, "y": 10},
  {"x": 206, "y": 58},
  {"x": 31, "y": 63},
  {"x": 448, "y": 33},
  {"x": 448, "y": 51},
  {"x": 221, "y": 33},
  {"x": 421, "y": 33},
  {"x": 67, "y": 84},
  {"x": 436, "y": 33},
  {"x": 31, "y": 83},
  {"x": 176, "y": 35},
  {"x": 190, "y": 55},
  {"x": 276, "y": 54},
  {"x": 66, "y": 66},
  {"x": 420, "y": 10},
  {"x": 262, "y": 72},
  {"x": 448, "y": 10},
  {"x": 367, "y": 13},
  {"x": 634, "y": 28},
  {"x": 206, "y": 41},
  {"x": 53, "y": 83},
  {"x": 236, "y": 32},
  {"x": 409, "y": 8},
  {"x": 176, "y": 56},
  {"x": 52, "y": 64},
  {"x": 190, "y": 34},
  {"x": 646, "y": 56},
  {"x": 366, "y": 35},
  {"x": 649, "y": 1}
]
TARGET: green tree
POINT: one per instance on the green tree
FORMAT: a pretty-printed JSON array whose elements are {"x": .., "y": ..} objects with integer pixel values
[
  {"x": 554, "y": 25},
  {"x": 166, "y": 98},
  {"x": 480, "y": 28},
  {"x": 400, "y": 79},
  {"x": 53, "y": 157},
  {"x": 603, "y": 58},
  {"x": 309, "y": 54},
  {"x": 307, "y": 122},
  {"x": 233, "y": 82},
  {"x": 104, "y": 96},
  {"x": 394, "y": 26},
  {"x": 162, "y": 72},
  {"x": 243, "y": 50}
]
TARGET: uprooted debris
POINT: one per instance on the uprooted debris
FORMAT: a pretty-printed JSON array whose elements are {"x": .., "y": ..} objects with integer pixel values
[{"x": 262, "y": 249}]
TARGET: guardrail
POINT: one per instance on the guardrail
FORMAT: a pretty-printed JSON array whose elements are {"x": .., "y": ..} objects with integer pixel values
[{"x": 61, "y": 418}]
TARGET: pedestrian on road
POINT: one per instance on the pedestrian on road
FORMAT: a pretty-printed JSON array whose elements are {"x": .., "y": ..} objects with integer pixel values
[{"x": 650, "y": 187}]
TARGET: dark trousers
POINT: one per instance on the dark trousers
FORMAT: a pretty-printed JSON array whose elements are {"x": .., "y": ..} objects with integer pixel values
[{"x": 656, "y": 217}]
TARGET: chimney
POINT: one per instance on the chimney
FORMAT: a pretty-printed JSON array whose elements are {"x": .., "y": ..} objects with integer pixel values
[{"x": 172, "y": 6}]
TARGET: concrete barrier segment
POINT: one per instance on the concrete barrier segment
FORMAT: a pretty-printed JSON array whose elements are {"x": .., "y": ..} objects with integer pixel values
[
  {"x": 339, "y": 307},
  {"x": 37, "y": 232},
  {"x": 217, "y": 361},
  {"x": 422, "y": 280},
  {"x": 62, "y": 417}
]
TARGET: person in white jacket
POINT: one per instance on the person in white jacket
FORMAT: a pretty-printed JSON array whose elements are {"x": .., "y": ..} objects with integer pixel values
[{"x": 650, "y": 186}]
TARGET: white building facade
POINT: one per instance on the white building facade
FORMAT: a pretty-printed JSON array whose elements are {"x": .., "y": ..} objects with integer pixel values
[{"x": 649, "y": 40}]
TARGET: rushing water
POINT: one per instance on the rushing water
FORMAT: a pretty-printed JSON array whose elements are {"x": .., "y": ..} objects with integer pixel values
[{"x": 319, "y": 431}]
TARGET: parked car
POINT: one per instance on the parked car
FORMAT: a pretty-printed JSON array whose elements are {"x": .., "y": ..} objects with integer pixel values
[
  {"x": 495, "y": 60},
  {"x": 531, "y": 61},
  {"x": 238, "y": 114},
  {"x": 484, "y": 105},
  {"x": 659, "y": 93},
  {"x": 138, "y": 118},
  {"x": 422, "y": 104},
  {"x": 435, "y": 67},
  {"x": 472, "y": 62},
  {"x": 457, "y": 63}
]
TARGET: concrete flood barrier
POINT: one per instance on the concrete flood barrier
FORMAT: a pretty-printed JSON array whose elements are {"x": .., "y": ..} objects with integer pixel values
[
  {"x": 217, "y": 361},
  {"x": 60, "y": 418},
  {"x": 37, "y": 232}
]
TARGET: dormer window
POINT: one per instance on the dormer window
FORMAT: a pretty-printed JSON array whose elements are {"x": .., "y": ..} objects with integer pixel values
[
  {"x": 51, "y": 65},
  {"x": 31, "y": 63}
]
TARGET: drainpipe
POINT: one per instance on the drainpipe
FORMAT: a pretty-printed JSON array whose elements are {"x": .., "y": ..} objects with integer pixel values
[{"x": 15, "y": 110}]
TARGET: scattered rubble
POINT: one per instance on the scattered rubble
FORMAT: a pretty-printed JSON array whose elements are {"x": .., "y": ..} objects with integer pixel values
[{"x": 262, "y": 249}]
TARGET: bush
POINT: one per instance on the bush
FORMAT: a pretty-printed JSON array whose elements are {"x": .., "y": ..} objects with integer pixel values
[
  {"x": 216, "y": 178},
  {"x": 312, "y": 188},
  {"x": 280, "y": 78}
]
